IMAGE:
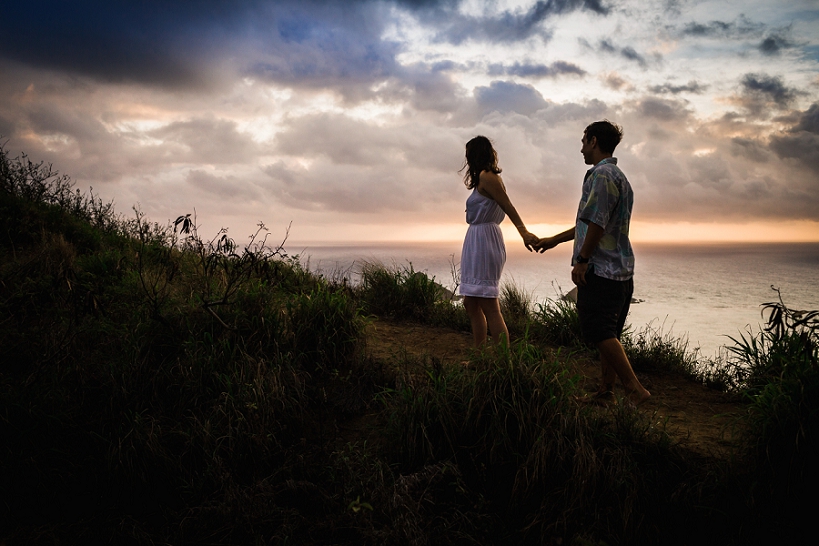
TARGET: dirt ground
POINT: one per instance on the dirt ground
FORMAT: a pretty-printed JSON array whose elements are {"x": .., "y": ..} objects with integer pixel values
[{"x": 699, "y": 418}]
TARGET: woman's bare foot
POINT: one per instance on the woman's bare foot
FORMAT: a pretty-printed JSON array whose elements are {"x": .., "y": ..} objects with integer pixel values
[
  {"x": 600, "y": 398},
  {"x": 635, "y": 397}
]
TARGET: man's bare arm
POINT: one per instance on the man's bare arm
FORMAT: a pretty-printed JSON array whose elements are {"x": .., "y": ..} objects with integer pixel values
[{"x": 550, "y": 242}]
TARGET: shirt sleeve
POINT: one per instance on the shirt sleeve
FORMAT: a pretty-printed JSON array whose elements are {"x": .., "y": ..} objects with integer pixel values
[{"x": 602, "y": 200}]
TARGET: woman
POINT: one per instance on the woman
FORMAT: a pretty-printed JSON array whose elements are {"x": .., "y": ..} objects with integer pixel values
[{"x": 484, "y": 253}]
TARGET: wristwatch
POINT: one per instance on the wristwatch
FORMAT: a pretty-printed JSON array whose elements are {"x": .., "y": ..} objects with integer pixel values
[{"x": 581, "y": 260}]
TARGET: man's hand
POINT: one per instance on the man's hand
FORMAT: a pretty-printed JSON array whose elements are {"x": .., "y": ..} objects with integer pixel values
[
  {"x": 545, "y": 244},
  {"x": 579, "y": 274}
]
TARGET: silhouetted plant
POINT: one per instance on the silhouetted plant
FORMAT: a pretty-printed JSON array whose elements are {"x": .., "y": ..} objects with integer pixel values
[
  {"x": 399, "y": 292},
  {"x": 556, "y": 322}
]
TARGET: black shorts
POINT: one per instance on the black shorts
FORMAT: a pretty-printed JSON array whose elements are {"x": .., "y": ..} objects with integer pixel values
[{"x": 602, "y": 306}]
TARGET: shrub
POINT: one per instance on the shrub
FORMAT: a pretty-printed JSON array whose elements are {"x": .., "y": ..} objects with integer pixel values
[
  {"x": 326, "y": 328},
  {"x": 777, "y": 371},
  {"x": 399, "y": 292}
]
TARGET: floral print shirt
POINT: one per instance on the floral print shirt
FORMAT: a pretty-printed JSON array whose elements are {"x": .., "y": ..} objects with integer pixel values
[{"x": 607, "y": 201}]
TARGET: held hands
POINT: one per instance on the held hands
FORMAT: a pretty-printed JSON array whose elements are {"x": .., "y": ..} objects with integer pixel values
[
  {"x": 542, "y": 245},
  {"x": 529, "y": 240}
]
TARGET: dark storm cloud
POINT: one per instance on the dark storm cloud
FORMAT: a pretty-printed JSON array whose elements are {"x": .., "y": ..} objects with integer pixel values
[
  {"x": 627, "y": 52},
  {"x": 773, "y": 41},
  {"x": 809, "y": 120},
  {"x": 308, "y": 43},
  {"x": 152, "y": 41},
  {"x": 504, "y": 96},
  {"x": 762, "y": 88},
  {"x": 774, "y": 44},
  {"x": 691, "y": 87},
  {"x": 173, "y": 44},
  {"x": 740, "y": 28},
  {"x": 801, "y": 142},
  {"x": 534, "y": 70},
  {"x": 456, "y": 27}
]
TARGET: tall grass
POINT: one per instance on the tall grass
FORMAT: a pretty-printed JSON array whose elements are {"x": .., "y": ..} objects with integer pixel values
[
  {"x": 548, "y": 467},
  {"x": 150, "y": 376},
  {"x": 777, "y": 371}
]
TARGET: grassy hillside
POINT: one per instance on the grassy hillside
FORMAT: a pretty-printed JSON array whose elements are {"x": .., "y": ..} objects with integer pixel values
[{"x": 158, "y": 386}]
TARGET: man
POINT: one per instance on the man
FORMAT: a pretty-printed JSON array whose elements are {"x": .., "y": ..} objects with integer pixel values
[{"x": 603, "y": 260}]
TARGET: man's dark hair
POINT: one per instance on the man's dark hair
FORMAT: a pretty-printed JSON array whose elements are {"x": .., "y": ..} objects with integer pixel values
[{"x": 608, "y": 135}]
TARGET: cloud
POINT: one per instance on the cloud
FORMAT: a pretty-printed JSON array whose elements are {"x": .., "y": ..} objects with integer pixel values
[
  {"x": 506, "y": 27},
  {"x": 691, "y": 87},
  {"x": 663, "y": 109},
  {"x": 741, "y": 27},
  {"x": 191, "y": 44},
  {"x": 536, "y": 70},
  {"x": 615, "y": 81},
  {"x": 223, "y": 187},
  {"x": 206, "y": 140},
  {"x": 711, "y": 171},
  {"x": 506, "y": 96},
  {"x": 749, "y": 148},
  {"x": 774, "y": 44},
  {"x": 332, "y": 162},
  {"x": 809, "y": 120},
  {"x": 425, "y": 87},
  {"x": 152, "y": 42},
  {"x": 626, "y": 52},
  {"x": 761, "y": 90},
  {"x": 801, "y": 142}
]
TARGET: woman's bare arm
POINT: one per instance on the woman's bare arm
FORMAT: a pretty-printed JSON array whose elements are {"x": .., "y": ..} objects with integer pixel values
[{"x": 491, "y": 185}]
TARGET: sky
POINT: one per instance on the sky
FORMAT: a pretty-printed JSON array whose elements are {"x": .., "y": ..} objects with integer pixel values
[{"x": 346, "y": 120}]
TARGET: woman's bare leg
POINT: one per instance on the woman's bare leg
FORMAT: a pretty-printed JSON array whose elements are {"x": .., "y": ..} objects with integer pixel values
[
  {"x": 476, "y": 318},
  {"x": 494, "y": 318}
]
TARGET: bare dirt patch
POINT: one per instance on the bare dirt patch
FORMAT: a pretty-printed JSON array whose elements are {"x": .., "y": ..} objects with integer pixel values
[{"x": 699, "y": 418}]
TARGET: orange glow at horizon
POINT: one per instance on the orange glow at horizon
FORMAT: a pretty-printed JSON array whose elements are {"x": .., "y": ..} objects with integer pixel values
[{"x": 641, "y": 232}]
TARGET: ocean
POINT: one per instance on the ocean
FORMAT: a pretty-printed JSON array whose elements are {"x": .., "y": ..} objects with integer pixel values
[{"x": 700, "y": 292}]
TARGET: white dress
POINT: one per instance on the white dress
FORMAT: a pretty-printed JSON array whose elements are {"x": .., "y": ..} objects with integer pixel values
[{"x": 484, "y": 254}]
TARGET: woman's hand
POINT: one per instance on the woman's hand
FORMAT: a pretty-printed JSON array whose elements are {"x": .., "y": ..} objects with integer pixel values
[{"x": 529, "y": 239}]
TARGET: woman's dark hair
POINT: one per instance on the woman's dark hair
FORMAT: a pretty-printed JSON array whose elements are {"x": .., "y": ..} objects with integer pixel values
[
  {"x": 608, "y": 135},
  {"x": 480, "y": 156}
]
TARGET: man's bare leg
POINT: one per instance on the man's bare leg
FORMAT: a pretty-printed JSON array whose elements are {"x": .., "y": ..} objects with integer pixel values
[
  {"x": 614, "y": 356},
  {"x": 607, "y": 376}
]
